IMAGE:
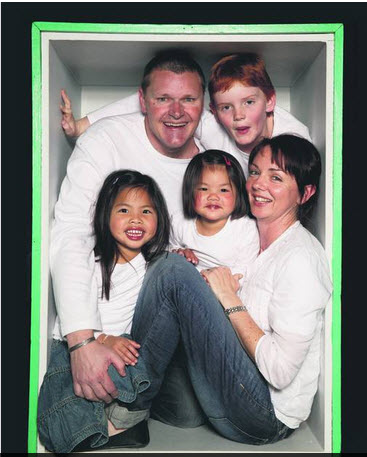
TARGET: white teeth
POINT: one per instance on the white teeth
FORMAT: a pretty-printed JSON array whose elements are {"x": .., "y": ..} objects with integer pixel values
[
  {"x": 168, "y": 124},
  {"x": 261, "y": 199},
  {"x": 134, "y": 232}
]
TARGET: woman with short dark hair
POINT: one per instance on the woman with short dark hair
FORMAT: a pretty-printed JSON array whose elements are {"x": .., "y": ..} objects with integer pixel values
[{"x": 253, "y": 359}]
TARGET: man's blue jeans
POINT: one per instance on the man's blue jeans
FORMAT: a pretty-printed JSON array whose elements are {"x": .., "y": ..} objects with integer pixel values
[{"x": 175, "y": 304}]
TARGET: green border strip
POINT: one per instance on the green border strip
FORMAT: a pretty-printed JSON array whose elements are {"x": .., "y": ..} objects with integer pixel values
[
  {"x": 37, "y": 28},
  {"x": 163, "y": 29},
  {"x": 36, "y": 236},
  {"x": 337, "y": 238}
]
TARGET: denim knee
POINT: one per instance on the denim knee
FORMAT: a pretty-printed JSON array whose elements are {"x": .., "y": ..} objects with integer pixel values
[{"x": 64, "y": 420}]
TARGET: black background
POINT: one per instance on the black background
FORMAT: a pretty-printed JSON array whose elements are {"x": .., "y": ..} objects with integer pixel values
[{"x": 17, "y": 181}]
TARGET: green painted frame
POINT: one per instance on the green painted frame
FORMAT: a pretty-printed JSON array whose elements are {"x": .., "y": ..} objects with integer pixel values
[{"x": 163, "y": 29}]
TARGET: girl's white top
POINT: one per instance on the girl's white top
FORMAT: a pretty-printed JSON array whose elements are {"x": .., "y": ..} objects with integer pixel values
[
  {"x": 117, "y": 313},
  {"x": 286, "y": 291},
  {"x": 235, "y": 246}
]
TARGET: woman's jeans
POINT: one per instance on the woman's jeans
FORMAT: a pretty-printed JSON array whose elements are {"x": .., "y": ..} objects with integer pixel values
[{"x": 176, "y": 305}]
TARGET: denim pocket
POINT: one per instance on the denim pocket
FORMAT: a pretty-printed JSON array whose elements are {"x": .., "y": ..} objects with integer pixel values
[{"x": 229, "y": 430}]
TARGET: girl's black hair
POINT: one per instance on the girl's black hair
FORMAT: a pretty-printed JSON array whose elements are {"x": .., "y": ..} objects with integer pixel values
[
  {"x": 106, "y": 249},
  {"x": 213, "y": 157},
  {"x": 298, "y": 157}
]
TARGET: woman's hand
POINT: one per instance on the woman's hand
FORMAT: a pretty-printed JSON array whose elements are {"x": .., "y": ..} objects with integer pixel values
[
  {"x": 224, "y": 284},
  {"x": 125, "y": 348},
  {"x": 188, "y": 254}
]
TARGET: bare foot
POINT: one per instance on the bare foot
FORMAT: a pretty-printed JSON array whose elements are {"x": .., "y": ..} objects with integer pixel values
[{"x": 114, "y": 431}]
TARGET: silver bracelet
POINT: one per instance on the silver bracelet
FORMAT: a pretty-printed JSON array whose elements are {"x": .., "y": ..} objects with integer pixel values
[
  {"x": 235, "y": 309},
  {"x": 83, "y": 343}
]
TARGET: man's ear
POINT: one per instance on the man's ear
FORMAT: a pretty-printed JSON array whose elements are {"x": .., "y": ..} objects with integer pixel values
[
  {"x": 142, "y": 101},
  {"x": 270, "y": 104},
  {"x": 310, "y": 189}
]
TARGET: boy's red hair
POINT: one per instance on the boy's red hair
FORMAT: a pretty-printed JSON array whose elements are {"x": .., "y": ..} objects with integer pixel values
[{"x": 245, "y": 68}]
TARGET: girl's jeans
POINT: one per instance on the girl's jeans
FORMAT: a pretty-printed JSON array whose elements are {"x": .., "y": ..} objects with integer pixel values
[{"x": 175, "y": 304}]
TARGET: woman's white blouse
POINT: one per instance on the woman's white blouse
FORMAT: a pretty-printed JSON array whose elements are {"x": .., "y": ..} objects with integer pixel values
[{"x": 285, "y": 292}]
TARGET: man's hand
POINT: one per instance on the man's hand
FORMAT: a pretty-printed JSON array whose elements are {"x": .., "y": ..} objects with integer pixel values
[
  {"x": 188, "y": 254},
  {"x": 89, "y": 366}
]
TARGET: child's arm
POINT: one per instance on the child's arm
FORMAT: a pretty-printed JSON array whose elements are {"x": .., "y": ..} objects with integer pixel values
[
  {"x": 75, "y": 128},
  {"x": 72, "y": 127},
  {"x": 176, "y": 239},
  {"x": 125, "y": 348}
]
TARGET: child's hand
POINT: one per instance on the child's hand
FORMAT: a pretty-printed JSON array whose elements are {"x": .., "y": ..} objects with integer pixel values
[
  {"x": 125, "y": 348},
  {"x": 188, "y": 254},
  {"x": 68, "y": 122}
]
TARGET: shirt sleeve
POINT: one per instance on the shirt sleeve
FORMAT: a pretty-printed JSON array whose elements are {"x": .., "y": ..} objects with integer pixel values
[
  {"x": 300, "y": 295},
  {"x": 127, "y": 105},
  {"x": 72, "y": 242},
  {"x": 210, "y": 133}
]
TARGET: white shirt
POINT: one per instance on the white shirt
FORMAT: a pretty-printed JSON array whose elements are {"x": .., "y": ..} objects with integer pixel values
[
  {"x": 235, "y": 246},
  {"x": 285, "y": 292},
  {"x": 117, "y": 312},
  {"x": 111, "y": 144},
  {"x": 209, "y": 132}
]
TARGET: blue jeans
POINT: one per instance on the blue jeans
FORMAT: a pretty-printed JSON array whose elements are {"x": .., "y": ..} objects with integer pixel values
[
  {"x": 65, "y": 420},
  {"x": 176, "y": 403},
  {"x": 175, "y": 304}
]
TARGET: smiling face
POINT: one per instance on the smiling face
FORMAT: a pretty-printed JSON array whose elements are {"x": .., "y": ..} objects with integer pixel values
[
  {"x": 215, "y": 197},
  {"x": 172, "y": 104},
  {"x": 133, "y": 222},
  {"x": 273, "y": 194},
  {"x": 243, "y": 112}
]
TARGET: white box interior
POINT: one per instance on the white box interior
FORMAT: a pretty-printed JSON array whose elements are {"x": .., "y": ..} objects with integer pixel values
[{"x": 97, "y": 69}]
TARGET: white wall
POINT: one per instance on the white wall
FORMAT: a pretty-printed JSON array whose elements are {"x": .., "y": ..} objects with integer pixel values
[{"x": 308, "y": 103}]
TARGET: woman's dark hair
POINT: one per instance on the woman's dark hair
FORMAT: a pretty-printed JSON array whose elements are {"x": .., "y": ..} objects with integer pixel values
[
  {"x": 106, "y": 249},
  {"x": 210, "y": 158},
  {"x": 299, "y": 158}
]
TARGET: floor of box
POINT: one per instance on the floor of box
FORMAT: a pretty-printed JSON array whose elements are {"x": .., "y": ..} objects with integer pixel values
[{"x": 164, "y": 438}]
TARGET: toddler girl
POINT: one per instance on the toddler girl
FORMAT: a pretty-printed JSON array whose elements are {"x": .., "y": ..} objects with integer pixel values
[{"x": 214, "y": 229}]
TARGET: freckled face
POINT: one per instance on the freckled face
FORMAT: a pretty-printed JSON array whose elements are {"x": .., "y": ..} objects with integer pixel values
[
  {"x": 133, "y": 222},
  {"x": 172, "y": 105},
  {"x": 215, "y": 197},
  {"x": 242, "y": 111},
  {"x": 273, "y": 194}
]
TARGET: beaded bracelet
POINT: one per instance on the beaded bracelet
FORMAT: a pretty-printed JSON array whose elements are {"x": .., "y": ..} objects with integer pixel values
[{"x": 81, "y": 344}]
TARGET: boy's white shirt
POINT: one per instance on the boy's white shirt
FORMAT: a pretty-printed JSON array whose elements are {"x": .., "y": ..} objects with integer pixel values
[
  {"x": 235, "y": 246},
  {"x": 209, "y": 132}
]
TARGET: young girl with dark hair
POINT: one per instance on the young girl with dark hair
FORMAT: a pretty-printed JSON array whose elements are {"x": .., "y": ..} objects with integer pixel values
[
  {"x": 215, "y": 229},
  {"x": 131, "y": 226}
]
